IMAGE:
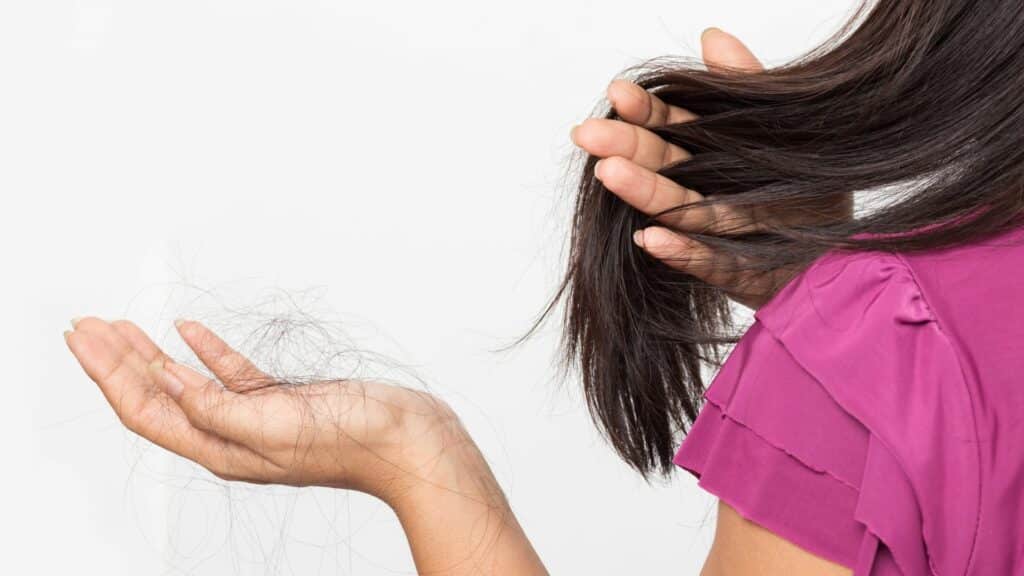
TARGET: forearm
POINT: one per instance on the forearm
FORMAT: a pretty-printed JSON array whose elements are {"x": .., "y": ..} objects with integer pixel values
[{"x": 458, "y": 521}]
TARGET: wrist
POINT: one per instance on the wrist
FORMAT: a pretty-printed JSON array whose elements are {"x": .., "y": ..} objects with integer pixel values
[
  {"x": 451, "y": 508},
  {"x": 438, "y": 459},
  {"x": 456, "y": 517}
]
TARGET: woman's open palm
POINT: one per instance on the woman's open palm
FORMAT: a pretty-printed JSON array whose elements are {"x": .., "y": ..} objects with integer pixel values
[
  {"x": 631, "y": 154},
  {"x": 242, "y": 425}
]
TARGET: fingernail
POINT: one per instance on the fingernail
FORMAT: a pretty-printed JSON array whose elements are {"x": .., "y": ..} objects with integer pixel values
[
  {"x": 169, "y": 383},
  {"x": 66, "y": 334},
  {"x": 179, "y": 322},
  {"x": 572, "y": 132},
  {"x": 638, "y": 238},
  {"x": 75, "y": 321},
  {"x": 706, "y": 30},
  {"x": 597, "y": 165}
]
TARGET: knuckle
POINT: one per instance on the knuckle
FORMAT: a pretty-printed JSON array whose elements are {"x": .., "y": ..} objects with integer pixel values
[{"x": 650, "y": 202}]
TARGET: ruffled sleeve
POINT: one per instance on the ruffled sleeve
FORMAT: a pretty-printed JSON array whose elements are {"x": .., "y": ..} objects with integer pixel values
[{"x": 842, "y": 422}]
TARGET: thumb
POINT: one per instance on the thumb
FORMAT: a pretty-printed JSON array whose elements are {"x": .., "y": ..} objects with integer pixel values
[{"x": 723, "y": 50}]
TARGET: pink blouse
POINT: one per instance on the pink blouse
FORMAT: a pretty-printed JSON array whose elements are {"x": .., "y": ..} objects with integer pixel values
[{"x": 873, "y": 413}]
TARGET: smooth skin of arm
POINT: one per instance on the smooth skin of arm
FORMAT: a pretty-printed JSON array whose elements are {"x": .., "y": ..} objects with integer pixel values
[
  {"x": 403, "y": 446},
  {"x": 743, "y": 547}
]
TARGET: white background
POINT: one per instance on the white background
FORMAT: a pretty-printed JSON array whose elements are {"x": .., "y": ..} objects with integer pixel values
[{"x": 396, "y": 170}]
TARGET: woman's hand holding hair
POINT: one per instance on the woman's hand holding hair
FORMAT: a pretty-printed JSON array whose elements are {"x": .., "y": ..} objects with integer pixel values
[
  {"x": 631, "y": 154},
  {"x": 406, "y": 447}
]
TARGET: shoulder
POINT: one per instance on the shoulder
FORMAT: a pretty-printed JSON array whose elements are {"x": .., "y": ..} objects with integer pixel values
[
  {"x": 860, "y": 325},
  {"x": 847, "y": 404},
  {"x": 843, "y": 291}
]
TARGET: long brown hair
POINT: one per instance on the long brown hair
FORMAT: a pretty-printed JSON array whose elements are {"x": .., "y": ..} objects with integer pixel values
[{"x": 915, "y": 106}]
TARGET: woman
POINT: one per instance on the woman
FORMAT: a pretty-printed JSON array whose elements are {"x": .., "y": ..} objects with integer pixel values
[{"x": 866, "y": 423}]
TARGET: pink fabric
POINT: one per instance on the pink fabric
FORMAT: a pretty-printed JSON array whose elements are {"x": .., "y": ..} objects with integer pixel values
[{"x": 873, "y": 413}]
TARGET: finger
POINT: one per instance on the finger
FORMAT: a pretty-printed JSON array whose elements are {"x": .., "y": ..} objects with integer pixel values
[
  {"x": 138, "y": 339},
  {"x": 120, "y": 372},
  {"x": 653, "y": 194},
  {"x": 211, "y": 407},
  {"x": 685, "y": 254},
  {"x": 724, "y": 51},
  {"x": 110, "y": 361},
  {"x": 233, "y": 369},
  {"x": 638, "y": 106},
  {"x": 604, "y": 137},
  {"x": 696, "y": 258}
]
